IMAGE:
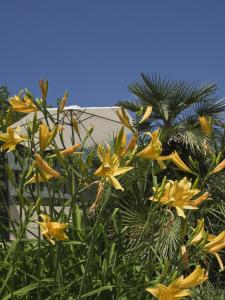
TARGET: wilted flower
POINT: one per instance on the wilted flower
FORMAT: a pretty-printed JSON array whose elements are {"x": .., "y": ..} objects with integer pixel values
[
  {"x": 179, "y": 288},
  {"x": 205, "y": 125},
  {"x": 53, "y": 230},
  {"x": 110, "y": 167},
  {"x": 179, "y": 194},
  {"x": 11, "y": 139},
  {"x": 46, "y": 136},
  {"x": 24, "y": 106},
  {"x": 146, "y": 114},
  {"x": 184, "y": 255}
]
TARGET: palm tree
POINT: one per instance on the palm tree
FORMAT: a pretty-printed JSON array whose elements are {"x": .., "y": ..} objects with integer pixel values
[{"x": 177, "y": 106}]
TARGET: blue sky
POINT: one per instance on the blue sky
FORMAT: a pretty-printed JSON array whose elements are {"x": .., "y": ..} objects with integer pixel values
[{"x": 95, "y": 48}]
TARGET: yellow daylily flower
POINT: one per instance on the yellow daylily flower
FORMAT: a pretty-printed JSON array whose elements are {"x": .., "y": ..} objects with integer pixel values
[
  {"x": 63, "y": 102},
  {"x": 124, "y": 119},
  {"x": 53, "y": 230},
  {"x": 146, "y": 114},
  {"x": 44, "y": 167},
  {"x": 219, "y": 168},
  {"x": 179, "y": 162},
  {"x": 205, "y": 125},
  {"x": 46, "y": 136},
  {"x": 39, "y": 177},
  {"x": 24, "y": 106},
  {"x": 110, "y": 167},
  {"x": 179, "y": 194},
  {"x": 163, "y": 292},
  {"x": 11, "y": 139},
  {"x": 180, "y": 287},
  {"x": 70, "y": 150},
  {"x": 197, "y": 277},
  {"x": 121, "y": 148},
  {"x": 45, "y": 172},
  {"x": 199, "y": 232},
  {"x": 154, "y": 149},
  {"x": 216, "y": 243}
]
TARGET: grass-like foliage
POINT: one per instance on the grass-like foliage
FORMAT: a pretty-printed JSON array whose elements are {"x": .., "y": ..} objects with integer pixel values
[{"x": 120, "y": 221}]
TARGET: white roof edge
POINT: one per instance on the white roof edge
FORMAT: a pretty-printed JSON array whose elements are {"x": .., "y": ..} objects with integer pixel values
[{"x": 86, "y": 107}]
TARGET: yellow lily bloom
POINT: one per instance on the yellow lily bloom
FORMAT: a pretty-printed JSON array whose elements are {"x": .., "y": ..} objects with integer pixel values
[
  {"x": 180, "y": 287},
  {"x": 70, "y": 150},
  {"x": 179, "y": 162},
  {"x": 124, "y": 119},
  {"x": 154, "y": 149},
  {"x": 45, "y": 172},
  {"x": 110, "y": 167},
  {"x": 199, "y": 232},
  {"x": 163, "y": 292},
  {"x": 205, "y": 125},
  {"x": 146, "y": 114},
  {"x": 24, "y": 106},
  {"x": 11, "y": 139},
  {"x": 216, "y": 244},
  {"x": 219, "y": 168},
  {"x": 44, "y": 167},
  {"x": 121, "y": 148},
  {"x": 46, "y": 136},
  {"x": 197, "y": 277},
  {"x": 53, "y": 229},
  {"x": 179, "y": 194},
  {"x": 39, "y": 177},
  {"x": 63, "y": 102}
]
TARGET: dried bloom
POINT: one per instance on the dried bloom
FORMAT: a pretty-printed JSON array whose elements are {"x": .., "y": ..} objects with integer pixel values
[
  {"x": 24, "y": 106},
  {"x": 184, "y": 255},
  {"x": 11, "y": 138},
  {"x": 53, "y": 230}
]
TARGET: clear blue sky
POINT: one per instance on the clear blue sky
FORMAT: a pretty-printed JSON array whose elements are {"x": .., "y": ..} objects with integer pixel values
[{"x": 95, "y": 48}]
